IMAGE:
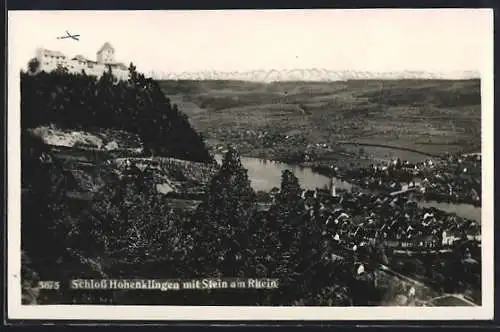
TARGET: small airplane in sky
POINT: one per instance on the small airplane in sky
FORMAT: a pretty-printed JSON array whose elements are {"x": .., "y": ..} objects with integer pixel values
[{"x": 75, "y": 37}]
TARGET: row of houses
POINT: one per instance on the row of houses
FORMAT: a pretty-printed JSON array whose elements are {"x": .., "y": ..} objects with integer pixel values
[{"x": 105, "y": 59}]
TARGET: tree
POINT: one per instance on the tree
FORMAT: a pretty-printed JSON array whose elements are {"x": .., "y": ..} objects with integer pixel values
[
  {"x": 133, "y": 74},
  {"x": 45, "y": 219},
  {"x": 297, "y": 256},
  {"x": 34, "y": 65},
  {"x": 61, "y": 69},
  {"x": 48, "y": 226},
  {"x": 223, "y": 220},
  {"x": 289, "y": 210},
  {"x": 284, "y": 219},
  {"x": 129, "y": 221}
]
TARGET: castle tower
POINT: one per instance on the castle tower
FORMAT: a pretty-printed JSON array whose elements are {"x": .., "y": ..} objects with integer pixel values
[{"x": 106, "y": 54}]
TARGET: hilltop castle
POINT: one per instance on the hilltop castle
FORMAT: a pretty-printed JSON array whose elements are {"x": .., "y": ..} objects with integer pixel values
[{"x": 51, "y": 60}]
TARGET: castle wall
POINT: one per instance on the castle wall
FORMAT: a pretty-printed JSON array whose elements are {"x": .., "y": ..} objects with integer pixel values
[{"x": 50, "y": 60}]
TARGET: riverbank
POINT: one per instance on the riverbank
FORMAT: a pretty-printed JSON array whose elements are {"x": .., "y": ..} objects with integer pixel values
[
  {"x": 452, "y": 178},
  {"x": 266, "y": 175}
]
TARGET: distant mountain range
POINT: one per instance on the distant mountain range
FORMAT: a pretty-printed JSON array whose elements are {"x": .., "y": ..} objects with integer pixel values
[{"x": 312, "y": 74}]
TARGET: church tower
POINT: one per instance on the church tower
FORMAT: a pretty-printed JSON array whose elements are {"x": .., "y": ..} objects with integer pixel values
[{"x": 333, "y": 189}]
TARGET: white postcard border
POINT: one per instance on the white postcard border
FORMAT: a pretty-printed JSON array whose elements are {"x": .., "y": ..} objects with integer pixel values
[{"x": 97, "y": 312}]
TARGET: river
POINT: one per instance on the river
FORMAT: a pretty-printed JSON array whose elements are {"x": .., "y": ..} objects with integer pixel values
[{"x": 265, "y": 175}]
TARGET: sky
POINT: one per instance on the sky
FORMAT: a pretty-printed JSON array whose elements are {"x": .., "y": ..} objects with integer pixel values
[{"x": 243, "y": 40}]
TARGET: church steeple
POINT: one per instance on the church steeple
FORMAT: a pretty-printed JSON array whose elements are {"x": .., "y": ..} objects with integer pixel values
[{"x": 333, "y": 189}]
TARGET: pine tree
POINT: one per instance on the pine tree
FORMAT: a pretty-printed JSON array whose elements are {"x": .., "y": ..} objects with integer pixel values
[
  {"x": 297, "y": 258},
  {"x": 289, "y": 210},
  {"x": 285, "y": 216},
  {"x": 223, "y": 220}
]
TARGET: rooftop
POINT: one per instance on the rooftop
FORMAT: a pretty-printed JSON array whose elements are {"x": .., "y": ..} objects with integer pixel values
[
  {"x": 120, "y": 65},
  {"x": 79, "y": 57},
  {"x": 53, "y": 53},
  {"x": 106, "y": 46}
]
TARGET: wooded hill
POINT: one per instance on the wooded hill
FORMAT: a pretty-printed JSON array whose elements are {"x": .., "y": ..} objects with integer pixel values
[{"x": 137, "y": 105}]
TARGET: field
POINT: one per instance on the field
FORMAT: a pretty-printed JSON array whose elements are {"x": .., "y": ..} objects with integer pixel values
[{"x": 291, "y": 120}]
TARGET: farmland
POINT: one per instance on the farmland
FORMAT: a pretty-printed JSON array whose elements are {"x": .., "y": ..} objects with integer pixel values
[{"x": 300, "y": 121}]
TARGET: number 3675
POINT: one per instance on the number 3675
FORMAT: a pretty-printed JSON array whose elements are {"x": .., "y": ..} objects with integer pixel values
[{"x": 49, "y": 285}]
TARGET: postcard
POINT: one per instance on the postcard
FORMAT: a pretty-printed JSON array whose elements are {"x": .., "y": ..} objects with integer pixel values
[{"x": 250, "y": 165}]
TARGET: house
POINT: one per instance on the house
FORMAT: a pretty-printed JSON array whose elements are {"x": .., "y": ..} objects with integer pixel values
[
  {"x": 391, "y": 243},
  {"x": 425, "y": 241},
  {"x": 450, "y": 237},
  {"x": 474, "y": 237},
  {"x": 51, "y": 60}
]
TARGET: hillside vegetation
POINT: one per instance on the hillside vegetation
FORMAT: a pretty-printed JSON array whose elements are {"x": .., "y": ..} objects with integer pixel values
[
  {"x": 75, "y": 131},
  {"x": 282, "y": 119},
  {"x": 137, "y": 105}
]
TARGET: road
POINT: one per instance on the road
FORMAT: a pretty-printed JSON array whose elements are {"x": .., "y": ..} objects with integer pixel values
[{"x": 391, "y": 147}]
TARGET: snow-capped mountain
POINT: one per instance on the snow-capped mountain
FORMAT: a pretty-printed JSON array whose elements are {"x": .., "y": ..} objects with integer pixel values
[{"x": 311, "y": 74}]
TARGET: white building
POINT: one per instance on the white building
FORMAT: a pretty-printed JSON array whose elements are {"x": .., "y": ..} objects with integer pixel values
[
  {"x": 51, "y": 60},
  {"x": 449, "y": 238}
]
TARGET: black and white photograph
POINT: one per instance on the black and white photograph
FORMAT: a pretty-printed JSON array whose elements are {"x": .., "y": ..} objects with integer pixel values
[{"x": 250, "y": 164}]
